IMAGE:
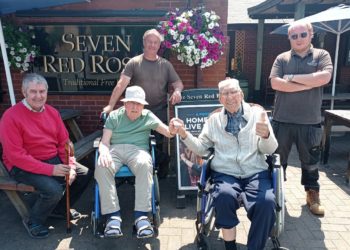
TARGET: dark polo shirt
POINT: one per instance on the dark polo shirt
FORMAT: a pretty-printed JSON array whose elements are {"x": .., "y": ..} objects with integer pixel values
[{"x": 303, "y": 107}]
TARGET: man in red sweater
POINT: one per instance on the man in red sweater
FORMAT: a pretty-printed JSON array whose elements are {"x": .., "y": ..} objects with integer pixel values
[{"x": 33, "y": 137}]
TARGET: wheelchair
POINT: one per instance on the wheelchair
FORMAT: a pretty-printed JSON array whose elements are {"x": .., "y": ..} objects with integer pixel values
[
  {"x": 124, "y": 175},
  {"x": 206, "y": 213}
]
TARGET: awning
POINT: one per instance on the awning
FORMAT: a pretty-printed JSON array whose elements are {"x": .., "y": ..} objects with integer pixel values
[{"x": 279, "y": 9}]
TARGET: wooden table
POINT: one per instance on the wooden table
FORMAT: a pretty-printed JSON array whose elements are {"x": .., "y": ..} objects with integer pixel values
[
  {"x": 69, "y": 116},
  {"x": 332, "y": 117}
]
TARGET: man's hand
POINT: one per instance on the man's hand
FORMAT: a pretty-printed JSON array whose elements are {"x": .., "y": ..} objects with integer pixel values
[
  {"x": 178, "y": 126},
  {"x": 72, "y": 176},
  {"x": 175, "y": 97},
  {"x": 61, "y": 170},
  {"x": 107, "y": 109},
  {"x": 174, "y": 125},
  {"x": 262, "y": 128},
  {"x": 105, "y": 159}
]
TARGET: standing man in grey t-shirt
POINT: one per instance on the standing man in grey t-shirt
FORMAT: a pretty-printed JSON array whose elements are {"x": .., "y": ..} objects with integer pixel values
[
  {"x": 153, "y": 74},
  {"x": 298, "y": 76}
]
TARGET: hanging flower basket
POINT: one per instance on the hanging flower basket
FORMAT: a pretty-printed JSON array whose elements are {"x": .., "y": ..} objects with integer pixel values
[
  {"x": 20, "y": 50},
  {"x": 194, "y": 35}
]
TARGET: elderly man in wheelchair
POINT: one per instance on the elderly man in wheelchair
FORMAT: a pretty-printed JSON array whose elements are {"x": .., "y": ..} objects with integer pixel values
[
  {"x": 125, "y": 141},
  {"x": 241, "y": 136}
]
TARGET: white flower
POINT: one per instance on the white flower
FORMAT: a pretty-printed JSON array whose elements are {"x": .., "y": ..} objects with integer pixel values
[
  {"x": 18, "y": 65},
  {"x": 12, "y": 52},
  {"x": 212, "y": 40},
  {"x": 18, "y": 58},
  {"x": 214, "y": 17},
  {"x": 204, "y": 53},
  {"x": 20, "y": 44},
  {"x": 211, "y": 25}
]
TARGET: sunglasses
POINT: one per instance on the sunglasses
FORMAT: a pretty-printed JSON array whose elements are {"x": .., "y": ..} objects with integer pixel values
[{"x": 295, "y": 36}]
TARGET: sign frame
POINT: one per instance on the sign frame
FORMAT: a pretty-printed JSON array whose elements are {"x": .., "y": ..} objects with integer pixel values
[{"x": 194, "y": 117}]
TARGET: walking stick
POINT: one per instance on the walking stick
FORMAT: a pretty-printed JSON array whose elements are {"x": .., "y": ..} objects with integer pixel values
[{"x": 69, "y": 152}]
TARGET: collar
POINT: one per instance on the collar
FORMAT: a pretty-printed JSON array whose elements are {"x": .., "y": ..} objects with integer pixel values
[
  {"x": 310, "y": 51},
  {"x": 239, "y": 112},
  {"x": 26, "y": 104},
  {"x": 245, "y": 110}
]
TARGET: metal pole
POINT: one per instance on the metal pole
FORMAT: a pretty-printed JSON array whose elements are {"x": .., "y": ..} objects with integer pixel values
[{"x": 6, "y": 66}]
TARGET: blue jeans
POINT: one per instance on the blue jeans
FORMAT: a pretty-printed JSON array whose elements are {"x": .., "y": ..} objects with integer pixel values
[
  {"x": 256, "y": 194},
  {"x": 51, "y": 190}
]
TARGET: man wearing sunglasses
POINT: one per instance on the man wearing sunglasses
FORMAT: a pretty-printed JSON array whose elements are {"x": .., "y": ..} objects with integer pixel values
[{"x": 298, "y": 77}]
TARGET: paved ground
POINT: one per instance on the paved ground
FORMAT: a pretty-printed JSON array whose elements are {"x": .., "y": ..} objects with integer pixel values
[{"x": 177, "y": 231}]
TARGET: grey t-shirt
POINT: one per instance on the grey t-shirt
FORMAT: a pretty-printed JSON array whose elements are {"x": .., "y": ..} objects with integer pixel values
[
  {"x": 303, "y": 107},
  {"x": 153, "y": 77}
]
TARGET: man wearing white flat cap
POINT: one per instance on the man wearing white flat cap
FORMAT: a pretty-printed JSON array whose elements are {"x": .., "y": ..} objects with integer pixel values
[{"x": 125, "y": 140}]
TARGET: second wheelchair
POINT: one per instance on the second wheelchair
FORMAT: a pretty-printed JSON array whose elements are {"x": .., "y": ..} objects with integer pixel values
[
  {"x": 206, "y": 213},
  {"x": 124, "y": 175}
]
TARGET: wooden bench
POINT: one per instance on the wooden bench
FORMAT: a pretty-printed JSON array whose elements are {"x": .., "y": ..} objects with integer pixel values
[
  {"x": 85, "y": 146},
  {"x": 11, "y": 187}
]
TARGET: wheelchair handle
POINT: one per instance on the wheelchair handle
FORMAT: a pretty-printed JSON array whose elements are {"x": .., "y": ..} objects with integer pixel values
[{"x": 103, "y": 117}]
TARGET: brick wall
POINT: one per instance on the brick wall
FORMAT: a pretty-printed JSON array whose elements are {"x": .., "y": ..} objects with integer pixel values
[{"x": 91, "y": 105}]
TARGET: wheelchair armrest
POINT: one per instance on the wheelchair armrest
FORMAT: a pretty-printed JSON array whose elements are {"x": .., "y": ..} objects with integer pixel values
[
  {"x": 152, "y": 139},
  {"x": 210, "y": 155},
  {"x": 273, "y": 161}
]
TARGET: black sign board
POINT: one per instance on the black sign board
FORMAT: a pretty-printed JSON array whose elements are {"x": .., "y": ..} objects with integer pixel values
[
  {"x": 194, "y": 109},
  {"x": 86, "y": 59}
]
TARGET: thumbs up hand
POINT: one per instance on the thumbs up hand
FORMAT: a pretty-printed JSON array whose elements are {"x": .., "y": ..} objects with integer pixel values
[{"x": 262, "y": 128}]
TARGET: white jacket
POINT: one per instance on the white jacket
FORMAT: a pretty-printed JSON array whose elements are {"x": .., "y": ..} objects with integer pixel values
[{"x": 241, "y": 156}]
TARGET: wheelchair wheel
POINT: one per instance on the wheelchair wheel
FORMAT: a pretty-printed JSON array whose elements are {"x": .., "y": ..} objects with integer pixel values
[
  {"x": 209, "y": 215},
  {"x": 156, "y": 217},
  {"x": 202, "y": 242},
  {"x": 280, "y": 202},
  {"x": 156, "y": 188},
  {"x": 94, "y": 224}
]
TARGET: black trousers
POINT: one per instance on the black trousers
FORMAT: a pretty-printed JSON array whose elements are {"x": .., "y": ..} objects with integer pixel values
[{"x": 307, "y": 139}]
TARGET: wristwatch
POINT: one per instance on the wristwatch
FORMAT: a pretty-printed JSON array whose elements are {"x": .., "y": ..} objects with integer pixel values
[{"x": 290, "y": 78}]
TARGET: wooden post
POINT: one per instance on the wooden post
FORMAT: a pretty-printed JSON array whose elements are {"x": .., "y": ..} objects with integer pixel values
[
  {"x": 199, "y": 77},
  {"x": 69, "y": 152}
]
